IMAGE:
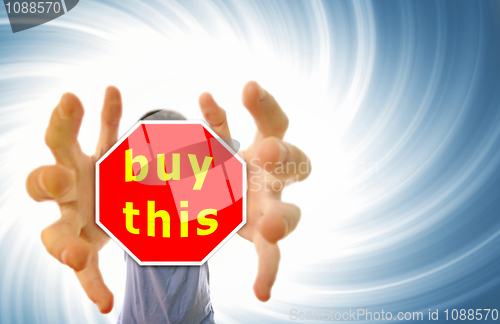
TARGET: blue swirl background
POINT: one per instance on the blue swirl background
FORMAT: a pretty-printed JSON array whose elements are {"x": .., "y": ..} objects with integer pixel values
[{"x": 396, "y": 102}]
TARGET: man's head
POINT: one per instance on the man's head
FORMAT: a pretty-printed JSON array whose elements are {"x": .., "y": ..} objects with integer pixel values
[{"x": 162, "y": 114}]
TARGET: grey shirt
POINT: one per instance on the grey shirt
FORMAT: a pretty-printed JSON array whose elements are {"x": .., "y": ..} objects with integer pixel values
[{"x": 156, "y": 294}]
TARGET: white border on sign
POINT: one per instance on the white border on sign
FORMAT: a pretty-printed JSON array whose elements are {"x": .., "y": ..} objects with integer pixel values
[{"x": 189, "y": 122}]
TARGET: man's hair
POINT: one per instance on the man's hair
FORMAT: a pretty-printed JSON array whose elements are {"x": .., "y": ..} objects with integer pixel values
[{"x": 162, "y": 114}]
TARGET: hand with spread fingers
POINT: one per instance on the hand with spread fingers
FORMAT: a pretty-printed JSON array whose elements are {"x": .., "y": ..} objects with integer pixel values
[
  {"x": 75, "y": 240},
  {"x": 272, "y": 164}
]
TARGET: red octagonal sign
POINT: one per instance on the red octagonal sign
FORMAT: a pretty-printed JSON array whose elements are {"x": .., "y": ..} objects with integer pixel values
[{"x": 171, "y": 192}]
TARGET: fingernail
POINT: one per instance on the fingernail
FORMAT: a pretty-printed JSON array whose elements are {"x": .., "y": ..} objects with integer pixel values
[
  {"x": 42, "y": 186},
  {"x": 59, "y": 110},
  {"x": 262, "y": 92},
  {"x": 63, "y": 256},
  {"x": 283, "y": 152},
  {"x": 286, "y": 226}
]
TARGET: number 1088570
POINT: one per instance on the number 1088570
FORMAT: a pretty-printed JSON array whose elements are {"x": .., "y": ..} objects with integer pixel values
[{"x": 33, "y": 7}]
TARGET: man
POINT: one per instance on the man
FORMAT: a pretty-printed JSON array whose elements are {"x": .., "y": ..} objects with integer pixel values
[{"x": 165, "y": 294}]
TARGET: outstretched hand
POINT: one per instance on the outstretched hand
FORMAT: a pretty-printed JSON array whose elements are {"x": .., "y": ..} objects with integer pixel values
[
  {"x": 75, "y": 239},
  {"x": 272, "y": 164}
]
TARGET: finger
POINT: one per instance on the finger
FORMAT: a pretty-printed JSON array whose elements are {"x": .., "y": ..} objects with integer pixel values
[
  {"x": 110, "y": 120},
  {"x": 51, "y": 182},
  {"x": 62, "y": 241},
  {"x": 269, "y": 259},
  {"x": 62, "y": 132},
  {"x": 214, "y": 115},
  {"x": 284, "y": 160},
  {"x": 92, "y": 282},
  {"x": 279, "y": 220},
  {"x": 270, "y": 119}
]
